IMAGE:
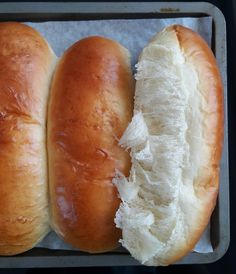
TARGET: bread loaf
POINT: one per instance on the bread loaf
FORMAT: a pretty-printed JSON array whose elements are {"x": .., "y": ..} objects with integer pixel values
[
  {"x": 176, "y": 141},
  {"x": 26, "y": 65},
  {"x": 90, "y": 106}
]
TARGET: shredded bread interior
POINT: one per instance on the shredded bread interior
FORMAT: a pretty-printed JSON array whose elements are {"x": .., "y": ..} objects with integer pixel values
[{"x": 159, "y": 202}]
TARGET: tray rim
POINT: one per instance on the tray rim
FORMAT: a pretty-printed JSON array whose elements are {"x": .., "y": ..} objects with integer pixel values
[{"x": 175, "y": 8}]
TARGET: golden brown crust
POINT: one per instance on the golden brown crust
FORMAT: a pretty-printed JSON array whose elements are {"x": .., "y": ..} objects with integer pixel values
[
  {"x": 25, "y": 68},
  {"x": 91, "y": 104}
]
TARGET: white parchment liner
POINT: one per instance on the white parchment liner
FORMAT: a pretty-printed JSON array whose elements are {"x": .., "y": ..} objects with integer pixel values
[{"x": 133, "y": 34}]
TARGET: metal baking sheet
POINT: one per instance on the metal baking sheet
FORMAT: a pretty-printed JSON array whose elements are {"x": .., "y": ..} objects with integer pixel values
[{"x": 41, "y": 12}]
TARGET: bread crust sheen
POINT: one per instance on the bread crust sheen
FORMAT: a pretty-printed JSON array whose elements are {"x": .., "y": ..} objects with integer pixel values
[
  {"x": 26, "y": 64},
  {"x": 90, "y": 106}
]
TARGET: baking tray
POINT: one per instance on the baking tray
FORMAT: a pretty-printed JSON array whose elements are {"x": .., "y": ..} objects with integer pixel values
[{"x": 39, "y": 12}]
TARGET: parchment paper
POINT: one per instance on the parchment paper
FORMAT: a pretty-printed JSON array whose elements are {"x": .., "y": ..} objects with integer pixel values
[{"x": 133, "y": 34}]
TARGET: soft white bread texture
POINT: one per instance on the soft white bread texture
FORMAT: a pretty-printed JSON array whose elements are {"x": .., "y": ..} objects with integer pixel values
[
  {"x": 26, "y": 66},
  {"x": 176, "y": 141}
]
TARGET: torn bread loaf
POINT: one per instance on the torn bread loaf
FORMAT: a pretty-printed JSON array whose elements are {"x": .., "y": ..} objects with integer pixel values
[{"x": 176, "y": 140}]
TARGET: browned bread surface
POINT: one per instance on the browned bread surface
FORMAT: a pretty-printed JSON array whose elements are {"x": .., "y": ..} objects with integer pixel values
[
  {"x": 90, "y": 106},
  {"x": 26, "y": 65}
]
